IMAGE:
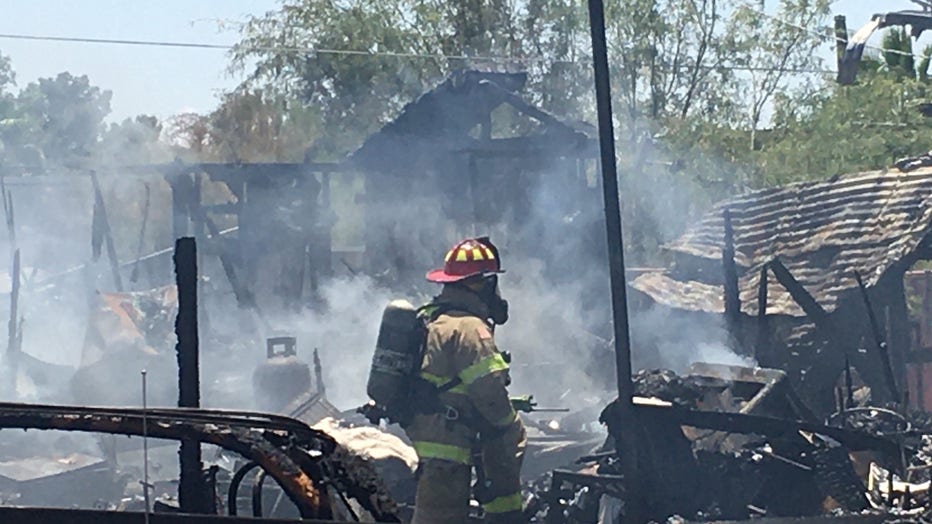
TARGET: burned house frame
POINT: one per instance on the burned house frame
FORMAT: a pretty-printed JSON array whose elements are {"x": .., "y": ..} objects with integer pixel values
[
  {"x": 438, "y": 172},
  {"x": 788, "y": 288},
  {"x": 435, "y": 172}
]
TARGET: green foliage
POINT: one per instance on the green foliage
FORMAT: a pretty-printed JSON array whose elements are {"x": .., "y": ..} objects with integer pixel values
[
  {"x": 7, "y": 76},
  {"x": 56, "y": 119},
  {"x": 133, "y": 142},
  {"x": 247, "y": 127},
  {"x": 898, "y": 53},
  {"x": 842, "y": 129}
]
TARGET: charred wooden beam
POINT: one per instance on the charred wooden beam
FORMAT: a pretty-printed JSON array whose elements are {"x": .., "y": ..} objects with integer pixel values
[
  {"x": 769, "y": 426},
  {"x": 762, "y": 349},
  {"x": 879, "y": 340},
  {"x": 191, "y": 488},
  {"x": 800, "y": 295},
  {"x": 842, "y": 340},
  {"x": 730, "y": 270},
  {"x": 100, "y": 214}
]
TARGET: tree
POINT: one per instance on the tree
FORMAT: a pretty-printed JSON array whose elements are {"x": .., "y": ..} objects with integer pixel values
[
  {"x": 132, "y": 142},
  {"x": 701, "y": 74},
  {"x": 841, "y": 129},
  {"x": 770, "y": 46},
  {"x": 59, "y": 119},
  {"x": 7, "y": 80}
]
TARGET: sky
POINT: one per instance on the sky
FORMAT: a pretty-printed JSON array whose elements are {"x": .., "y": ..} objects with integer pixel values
[{"x": 164, "y": 81}]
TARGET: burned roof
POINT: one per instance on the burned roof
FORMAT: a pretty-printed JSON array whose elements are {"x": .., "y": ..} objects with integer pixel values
[
  {"x": 822, "y": 232},
  {"x": 442, "y": 118}
]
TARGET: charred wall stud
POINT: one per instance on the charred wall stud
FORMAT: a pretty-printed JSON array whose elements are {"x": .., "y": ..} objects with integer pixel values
[{"x": 103, "y": 233}]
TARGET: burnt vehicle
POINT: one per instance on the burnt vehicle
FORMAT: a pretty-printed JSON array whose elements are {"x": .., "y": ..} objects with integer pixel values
[{"x": 324, "y": 481}]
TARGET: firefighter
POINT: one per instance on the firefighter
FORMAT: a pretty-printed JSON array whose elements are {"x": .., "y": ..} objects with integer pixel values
[{"x": 472, "y": 419}]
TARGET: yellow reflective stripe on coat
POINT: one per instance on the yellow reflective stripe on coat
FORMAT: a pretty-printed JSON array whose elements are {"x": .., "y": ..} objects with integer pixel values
[
  {"x": 436, "y": 450},
  {"x": 503, "y": 504},
  {"x": 439, "y": 381},
  {"x": 484, "y": 367}
]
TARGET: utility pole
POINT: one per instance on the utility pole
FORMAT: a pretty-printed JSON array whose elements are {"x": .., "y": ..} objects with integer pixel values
[{"x": 626, "y": 442}]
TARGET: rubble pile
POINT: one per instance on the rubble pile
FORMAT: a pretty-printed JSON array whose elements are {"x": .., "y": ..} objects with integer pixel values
[
  {"x": 868, "y": 462},
  {"x": 668, "y": 386}
]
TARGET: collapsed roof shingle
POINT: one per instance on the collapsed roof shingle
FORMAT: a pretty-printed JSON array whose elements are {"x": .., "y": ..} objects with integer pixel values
[{"x": 822, "y": 231}]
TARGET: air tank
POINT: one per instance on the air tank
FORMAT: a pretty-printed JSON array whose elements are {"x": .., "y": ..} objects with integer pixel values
[{"x": 397, "y": 353}]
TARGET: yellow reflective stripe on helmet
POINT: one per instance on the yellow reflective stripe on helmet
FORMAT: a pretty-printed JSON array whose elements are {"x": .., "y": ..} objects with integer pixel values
[
  {"x": 489, "y": 254},
  {"x": 436, "y": 450},
  {"x": 477, "y": 254},
  {"x": 439, "y": 381},
  {"x": 449, "y": 256},
  {"x": 503, "y": 504},
  {"x": 484, "y": 367},
  {"x": 461, "y": 255}
]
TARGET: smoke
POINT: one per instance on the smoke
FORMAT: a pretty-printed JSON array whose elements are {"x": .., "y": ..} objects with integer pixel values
[
  {"x": 545, "y": 215},
  {"x": 344, "y": 331},
  {"x": 668, "y": 339}
]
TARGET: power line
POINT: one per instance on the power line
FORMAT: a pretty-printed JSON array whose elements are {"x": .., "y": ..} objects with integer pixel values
[
  {"x": 827, "y": 38},
  {"x": 351, "y": 52},
  {"x": 295, "y": 49}
]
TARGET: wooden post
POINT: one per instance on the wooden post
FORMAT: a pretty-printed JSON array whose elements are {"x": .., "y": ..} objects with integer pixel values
[
  {"x": 191, "y": 487},
  {"x": 627, "y": 439},
  {"x": 730, "y": 270},
  {"x": 762, "y": 351},
  {"x": 108, "y": 235}
]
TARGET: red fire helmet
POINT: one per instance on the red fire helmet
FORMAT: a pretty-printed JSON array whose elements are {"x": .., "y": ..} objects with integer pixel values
[{"x": 470, "y": 257}]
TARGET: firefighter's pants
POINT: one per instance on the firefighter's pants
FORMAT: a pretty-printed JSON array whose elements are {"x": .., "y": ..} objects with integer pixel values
[{"x": 443, "y": 485}]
